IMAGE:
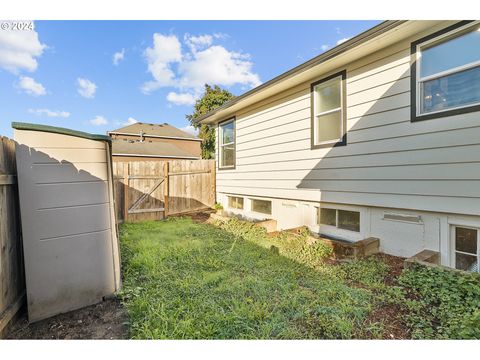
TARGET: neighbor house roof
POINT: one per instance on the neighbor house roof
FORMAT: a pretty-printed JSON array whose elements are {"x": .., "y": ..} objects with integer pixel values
[
  {"x": 155, "y": 130},
  {"x": 150, "y": 149},
  {"x": 364, "y": 44}
]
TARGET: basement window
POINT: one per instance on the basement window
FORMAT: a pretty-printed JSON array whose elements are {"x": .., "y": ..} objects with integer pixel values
[
  {"x": 341, "y": 219},
  {"x": 466, "y": 249},
  {"x": 446, "y": 69},
  {"x": 262, "y": 206},
  {"x": 235, "y": 202}
]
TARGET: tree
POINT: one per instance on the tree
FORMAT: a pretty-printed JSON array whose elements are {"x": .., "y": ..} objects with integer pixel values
[{"x": 212, "y": 98}]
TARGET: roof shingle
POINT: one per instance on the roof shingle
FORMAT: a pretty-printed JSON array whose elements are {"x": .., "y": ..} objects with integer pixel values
[
  {"x": 154, "y": 129},
  {"x": 149, "y": 148}
]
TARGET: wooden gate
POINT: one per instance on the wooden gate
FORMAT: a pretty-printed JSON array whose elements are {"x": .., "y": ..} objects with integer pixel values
[{"x": 152, "y": 190}]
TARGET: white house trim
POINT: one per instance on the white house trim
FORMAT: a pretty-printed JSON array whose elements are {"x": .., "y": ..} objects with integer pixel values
[
  {"x": 159, "y": 156},
  {"x": 154, "y": 136}
]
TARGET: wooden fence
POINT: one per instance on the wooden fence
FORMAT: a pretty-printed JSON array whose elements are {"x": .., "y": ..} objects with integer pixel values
[
  {"x": 153, "y": 190},
  {"x": 12, "y": 279}
]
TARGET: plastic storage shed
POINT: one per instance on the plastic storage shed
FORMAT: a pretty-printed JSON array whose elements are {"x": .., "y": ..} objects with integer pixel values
[{"x": 68, "y": 220}]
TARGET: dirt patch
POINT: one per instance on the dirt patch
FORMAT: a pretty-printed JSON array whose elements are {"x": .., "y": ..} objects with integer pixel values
[
  {"x": 396, "y": 265},
  {"x": 391, "y": 315},
  {"x": 106, "y": 320},
  {"x": 198, "y": 217}
]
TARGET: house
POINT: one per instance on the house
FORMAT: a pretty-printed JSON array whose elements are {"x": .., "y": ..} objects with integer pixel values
[
  {"x": 377, "y": 137},
  {"x": 142, "y": 141}
]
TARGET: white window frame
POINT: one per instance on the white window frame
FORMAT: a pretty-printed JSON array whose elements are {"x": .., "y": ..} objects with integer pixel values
[
  {"x": 221, "y": 145},
  {"x": 453, "y": 251},
  {"x": 338, "y": 77},
  {"x": 337, "y": 209},
  {"x": 419, "y": 80},
  {"x": 257, "y": 212},
  {"x": 235, "y": 197}
]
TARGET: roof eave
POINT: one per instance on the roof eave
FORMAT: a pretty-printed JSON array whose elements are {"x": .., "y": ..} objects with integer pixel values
[{"x": 329, "y": 54}]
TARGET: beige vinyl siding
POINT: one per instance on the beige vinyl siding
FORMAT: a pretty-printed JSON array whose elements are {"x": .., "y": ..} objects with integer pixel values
[{"x": 389, "y": 161}]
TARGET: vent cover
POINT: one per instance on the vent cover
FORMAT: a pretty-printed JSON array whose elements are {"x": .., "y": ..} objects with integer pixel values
[{"x": 414, "y": 219}]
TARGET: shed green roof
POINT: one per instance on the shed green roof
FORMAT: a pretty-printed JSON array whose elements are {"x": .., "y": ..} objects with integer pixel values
[{"x": 60, "y": 130}]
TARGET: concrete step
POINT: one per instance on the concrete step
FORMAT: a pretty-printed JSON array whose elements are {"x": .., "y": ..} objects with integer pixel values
[{"x": 424, "y": 257}]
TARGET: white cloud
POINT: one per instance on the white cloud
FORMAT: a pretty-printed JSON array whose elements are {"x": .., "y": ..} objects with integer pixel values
[
  {"x": 342, "y": 40},
  {"x": 324, "y": 47},
  {"x": 198, "y": 42},
  {"x": 203, "y": 63},
  {"x": 86, "y": 88},
  {"x": 49, "y": 113},
  {"x": 30, "y": 86},
  {"x": 190, "y": 129},
  {"x": 98, "y": 121},
  {"x": 131, "y": 121},
  {"x": 118, "y": 56},
  {"x": 217, "y": 65},
  {"x": 166, "y": 50},
  {"x": 181, "y": 98},
  {"x": 19, "y": 50},
  {"x": 221, "y": 36}
]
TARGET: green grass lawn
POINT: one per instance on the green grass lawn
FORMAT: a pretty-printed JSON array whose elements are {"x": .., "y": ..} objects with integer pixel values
[{"x": 187, "y": 280}]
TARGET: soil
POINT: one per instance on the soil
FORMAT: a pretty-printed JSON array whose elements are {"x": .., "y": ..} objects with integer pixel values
[
  {"x": 201, "y": 217},
  {"x": 105, "y": 320},
  {"x": 392, "y": 316}
]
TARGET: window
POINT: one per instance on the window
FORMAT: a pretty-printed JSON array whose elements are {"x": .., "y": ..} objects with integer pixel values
[
  {"x": 235, "y": 202},
  {"x": 349, "y": 220},
  {"x": 262, "y": 206},
  {"x": 328, "y": 114},
  {"x": 342, "y": 219},
  {"x": 466, "y": 249},
  {"x": 328, "y": 217},
  {"x": 446, "y": 66},
  {"x": 227, "y": 144}
]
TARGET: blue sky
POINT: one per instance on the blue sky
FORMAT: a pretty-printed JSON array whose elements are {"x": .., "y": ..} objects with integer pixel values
[{"x": 66, "y": 73}]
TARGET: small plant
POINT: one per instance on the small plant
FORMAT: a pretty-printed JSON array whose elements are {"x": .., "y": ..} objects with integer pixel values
[
  {"x": 218, "y": 206},
  {"x": 443, "y": 304}
]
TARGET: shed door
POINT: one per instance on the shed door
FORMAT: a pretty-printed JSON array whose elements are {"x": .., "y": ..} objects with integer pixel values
[{"x": 69, "y": 237}]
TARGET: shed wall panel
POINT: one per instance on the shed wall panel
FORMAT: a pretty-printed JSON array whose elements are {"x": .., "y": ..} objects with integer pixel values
[{"x": 69, "y": 232}]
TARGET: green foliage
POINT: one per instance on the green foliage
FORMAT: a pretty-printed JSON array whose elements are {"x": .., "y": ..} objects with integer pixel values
[
  {"x": 235, "y": 281},
  {"x": 369, "y": 272},
  {"x": 290, "y": 245},
  {"x": 218, "y": 206},
  {"x": 443, "y": 304},
  {"x": 184, "y": 280},
  {"x": 212, "y": 98}
]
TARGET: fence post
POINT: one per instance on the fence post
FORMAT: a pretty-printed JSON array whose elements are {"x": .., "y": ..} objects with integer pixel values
[
  {"x": 126, "y": 183},
  {"x": 214, "y": 181},
  {"x": 165, "y": 171}
]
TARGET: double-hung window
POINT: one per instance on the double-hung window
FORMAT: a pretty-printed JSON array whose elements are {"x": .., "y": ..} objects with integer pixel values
[
  {"x": 328, "y": 111},
  {"x": 227, "y": 144},
  {"x": 446, "y": 69}
]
